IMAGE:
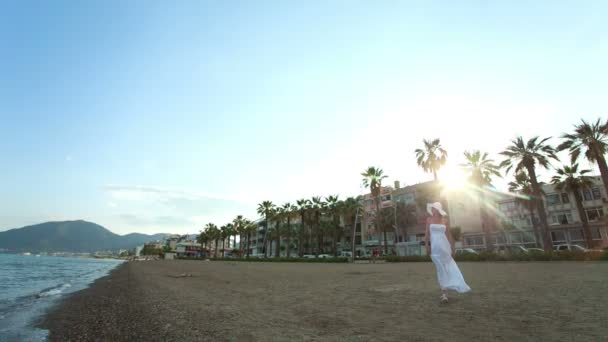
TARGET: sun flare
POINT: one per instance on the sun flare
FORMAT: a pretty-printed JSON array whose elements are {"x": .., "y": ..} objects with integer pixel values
[{"x": 453, "y": 177}]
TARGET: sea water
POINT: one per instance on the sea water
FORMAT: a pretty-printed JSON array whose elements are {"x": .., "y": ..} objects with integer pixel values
[{"x": 30, "y": 285}]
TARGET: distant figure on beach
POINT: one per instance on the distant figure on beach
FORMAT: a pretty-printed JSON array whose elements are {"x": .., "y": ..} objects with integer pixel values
[{"x": 441, "y": 249}]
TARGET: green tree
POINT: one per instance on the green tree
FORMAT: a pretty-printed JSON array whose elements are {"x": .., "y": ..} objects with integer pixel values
[
  {"x": 523, "y": 187},
  {"x": 265, "y": 209},
  {"x": 590, "y": 139},
  {"x": 317, "y": 208},
  {"x": 239, "y": 229},
  {"x": 527, "y": 156},
  {"x": 303, "y": 206},
  {"x": 570, "y": 179},
  {"x": 289, "y": 212},
  {"x": 372, "y": 179},
  {"x": 431, "y": 157},
  {"x": 481, "y": 169},
  {"x": 333, "y": 210},
  {"x": 350, "y": 209},
  {"x": 214, "y": 235}
]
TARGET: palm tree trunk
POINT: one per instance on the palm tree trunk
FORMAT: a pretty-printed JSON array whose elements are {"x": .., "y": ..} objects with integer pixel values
[
  {"x": 484, "y": 215},
  {"x": 378, "y": 221},
  {"x": 583, "y": 217},
  {"x": 542, "y": 214},
  {"x": 288, "y": 236},
  {"x": 435, "y": 175},
  {"x": 601, "y": 163},
  {"x": 277, "y": 252},
  {"x": 533, "y": 221},
  {"x": 248, "y": 242},
  {"x": 266, "y": 229}
]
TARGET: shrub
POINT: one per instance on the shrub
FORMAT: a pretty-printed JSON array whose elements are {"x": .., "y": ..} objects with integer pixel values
[
  {"x": 410, "y": 258},
  {"x": 304, "y": 260}
]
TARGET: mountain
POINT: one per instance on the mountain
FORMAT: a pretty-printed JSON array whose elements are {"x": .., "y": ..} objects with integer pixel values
[{"x": 69, "y": 236}]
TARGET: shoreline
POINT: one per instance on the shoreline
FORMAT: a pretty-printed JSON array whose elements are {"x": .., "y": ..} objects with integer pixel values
[{"x": 100, "y": 311}]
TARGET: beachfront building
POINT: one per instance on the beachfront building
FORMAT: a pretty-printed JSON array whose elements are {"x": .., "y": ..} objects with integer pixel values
[
  {"x": 188, "y": 249},
  {"x": 516, "y": 225}
]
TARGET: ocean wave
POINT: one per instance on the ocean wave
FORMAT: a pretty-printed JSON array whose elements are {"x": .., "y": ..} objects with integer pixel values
[{"x": 53, "y": 291}]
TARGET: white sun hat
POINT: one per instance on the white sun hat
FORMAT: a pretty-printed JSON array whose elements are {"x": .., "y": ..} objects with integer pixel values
[{"x": 437, "y": 206}]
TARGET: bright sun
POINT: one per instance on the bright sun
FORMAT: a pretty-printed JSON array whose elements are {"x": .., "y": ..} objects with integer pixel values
[{"x": 453, "y": 177}]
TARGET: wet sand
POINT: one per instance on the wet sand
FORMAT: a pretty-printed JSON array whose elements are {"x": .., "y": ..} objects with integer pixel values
[{"x": 239, "y": 301}]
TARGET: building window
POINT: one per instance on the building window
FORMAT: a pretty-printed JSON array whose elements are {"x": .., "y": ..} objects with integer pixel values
[
  {"x": 474, "y": 240},
  {"x": 576, "y": 235},
  {"x": 507, "y": 206},
  {"x": 595, "y": 234},
  {"x": 552, "y": 199},
  {"x": 516, "y": 238},
  {"x": 558, "y": 236},
  {"x": 499, "y": 239},
  {"x": 597, "y": 194},
  {"x": 594, "y": 214},
  {"x": 528, "y": 237},
  {"x": 385, "y": 198},
  {"x": 587, "y": 195},
  {"x": 565, "y": 198},
  {"x": 563, "y": 217}
]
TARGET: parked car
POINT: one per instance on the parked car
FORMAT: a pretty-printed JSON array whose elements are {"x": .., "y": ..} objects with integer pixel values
[
  {"x": 308, "y": 256},
  {"x": 572, "y": 248},
  {"x": 465, "y": 251},
  {"x": 346, "y": 254},
  {"x": 534, "y": 250},
  {"x": 325, "y": 256}
]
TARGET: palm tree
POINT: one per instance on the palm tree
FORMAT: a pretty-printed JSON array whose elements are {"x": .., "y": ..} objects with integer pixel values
[
  {"x": 592, "y": 140},
  {"x": 225, "y": 232},
  {"x": 318, "y": 208},
  {"x": 265, "y": 209},
  {"x": 238, "y": 224},
  {"x": 481, "y": 169},
  {"x": 570, "y": 179},
  {"x": 527, "y": 155},
  {"x": 350, "y": 210},
  {"x": 203, "y": 239},
  {"x": 289, "y": 211},
  {"x": 249, "y": 228},
  {"x": 302, "y": 206},
  {"x": 372, "y": 179},
  {"x": 523, "y": 187},
  {"x": 432, "y": 157},
  {"x": 214, "y": 235},
  {"x": 277, "y": 217},
  {"x": 333, "y": 207}
]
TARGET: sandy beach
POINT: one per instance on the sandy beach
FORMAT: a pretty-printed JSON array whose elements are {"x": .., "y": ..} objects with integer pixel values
[{"x": 239, "y": 301}]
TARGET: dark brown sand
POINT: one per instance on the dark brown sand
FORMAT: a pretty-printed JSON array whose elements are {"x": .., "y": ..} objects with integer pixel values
[{"x": 230, "y": 301}]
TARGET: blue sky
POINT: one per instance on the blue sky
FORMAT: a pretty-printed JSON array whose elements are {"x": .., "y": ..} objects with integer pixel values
[{"x": 162, "y": 116}]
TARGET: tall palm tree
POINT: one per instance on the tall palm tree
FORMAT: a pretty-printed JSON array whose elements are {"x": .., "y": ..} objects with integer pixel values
[
  {"x": 528, "y": 155},
  {"x": 238, "y": 224},
  {"x": 224, "y": 234},
  {"x": 522, "y": 186},
  {"x": 249, "y": 227},
  {"x": 318, "y": 207},
  {"x": 333, "y": 210},
  {"x": 351, "y": 208},
  {"x": 570, "y": 179},
  {"x": 303, "y": 206},
  {"x": 372, "y": 179},
  {"x": 265, "y": 209},
  {"x": 289, "y": 211},
  {"x": 277, "y": 217},
  {"x": 432, "y": 157},
  {"x": 214, "y": 235},
  {"x": 481, "y": 169},
  {"x": 592, "y": 140},
  {"x": 203, "y": 239}
]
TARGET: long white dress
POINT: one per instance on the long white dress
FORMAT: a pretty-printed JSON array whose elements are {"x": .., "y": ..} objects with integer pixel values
[{"x": 448, "y": 273}]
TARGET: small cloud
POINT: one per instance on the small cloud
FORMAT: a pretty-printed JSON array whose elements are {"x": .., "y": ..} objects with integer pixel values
[
  {"x": 68, "y": 158},
  {"x": 112, "y": 205}
]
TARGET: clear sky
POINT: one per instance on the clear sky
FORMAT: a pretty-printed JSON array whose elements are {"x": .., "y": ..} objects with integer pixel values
[{"x": 161, "y": 116}]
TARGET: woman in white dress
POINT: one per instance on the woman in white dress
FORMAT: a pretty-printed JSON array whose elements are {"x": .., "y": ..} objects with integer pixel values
[{"x": 441, "y": 249}]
